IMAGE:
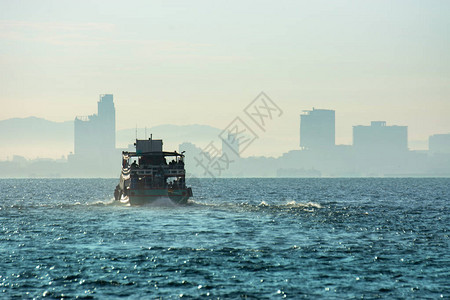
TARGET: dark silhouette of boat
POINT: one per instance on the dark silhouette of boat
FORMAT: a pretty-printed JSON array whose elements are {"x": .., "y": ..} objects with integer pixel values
[{"x": 147, "y": 176}]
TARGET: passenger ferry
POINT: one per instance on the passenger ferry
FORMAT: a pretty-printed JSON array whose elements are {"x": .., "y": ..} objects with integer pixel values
[{"x": 150, "y": 174}]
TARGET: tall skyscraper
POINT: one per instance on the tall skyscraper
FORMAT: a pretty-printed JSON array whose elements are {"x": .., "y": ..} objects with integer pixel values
[
  {"x": 317, "y": 129},
  {"x": 96, "y": 134},
  {"x": 107, "y": 121},
  {"x": 379, "y": 138},
  {"x": 439, "y": 143}
]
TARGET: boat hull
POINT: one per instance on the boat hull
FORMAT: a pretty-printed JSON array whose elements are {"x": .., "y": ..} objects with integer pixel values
[{"x": 149, "y": 196}]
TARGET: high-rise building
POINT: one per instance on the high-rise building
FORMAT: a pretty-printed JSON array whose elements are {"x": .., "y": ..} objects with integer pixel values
[
  {"x": 96, "y": 134},
  {"x": 379, "y": 138},
  {"x": 439, "y": 143},
  {"x": 317, "y": 129}
]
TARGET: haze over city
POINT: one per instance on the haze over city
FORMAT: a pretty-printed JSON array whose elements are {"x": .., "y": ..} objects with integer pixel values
[
  {"x": 154, "y": 149},
  {"x": 202, "y": 62}
]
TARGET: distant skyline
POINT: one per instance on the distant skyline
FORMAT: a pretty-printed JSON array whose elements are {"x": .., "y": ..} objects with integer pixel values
[{"x": 202, "y": 62}]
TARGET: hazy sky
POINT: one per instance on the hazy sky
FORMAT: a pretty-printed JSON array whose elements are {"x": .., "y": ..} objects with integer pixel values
[{"x": 186, "y": 62}]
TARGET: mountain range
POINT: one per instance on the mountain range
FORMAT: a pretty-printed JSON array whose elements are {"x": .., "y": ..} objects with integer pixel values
[{"x": 34, "y": 137}]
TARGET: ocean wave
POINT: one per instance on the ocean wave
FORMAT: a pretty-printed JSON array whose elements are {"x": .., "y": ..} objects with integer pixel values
[
  {"x": 168, "y": 203},
  {"x": 306, "y": 206},
  {"x": 109, "y": 202},
  {"x": 162, "y": 202},
  {"x": 23, "y": 205}
]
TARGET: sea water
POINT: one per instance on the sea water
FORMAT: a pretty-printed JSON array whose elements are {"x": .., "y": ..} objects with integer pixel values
[{"x": 253, "y": 238}]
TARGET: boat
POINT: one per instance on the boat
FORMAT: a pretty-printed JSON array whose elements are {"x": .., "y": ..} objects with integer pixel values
[{"x": 148, "y": 176}]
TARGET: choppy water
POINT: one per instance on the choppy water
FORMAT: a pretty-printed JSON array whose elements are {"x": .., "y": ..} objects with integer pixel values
[{"x": 255, "y": 238}]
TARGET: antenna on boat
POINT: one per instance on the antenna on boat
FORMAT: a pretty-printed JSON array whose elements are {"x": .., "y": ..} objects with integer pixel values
[{"x": 136, "y": 131}]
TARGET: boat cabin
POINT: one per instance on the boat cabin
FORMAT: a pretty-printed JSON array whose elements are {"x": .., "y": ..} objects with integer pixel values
[{"x": 151, "y": 168}]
